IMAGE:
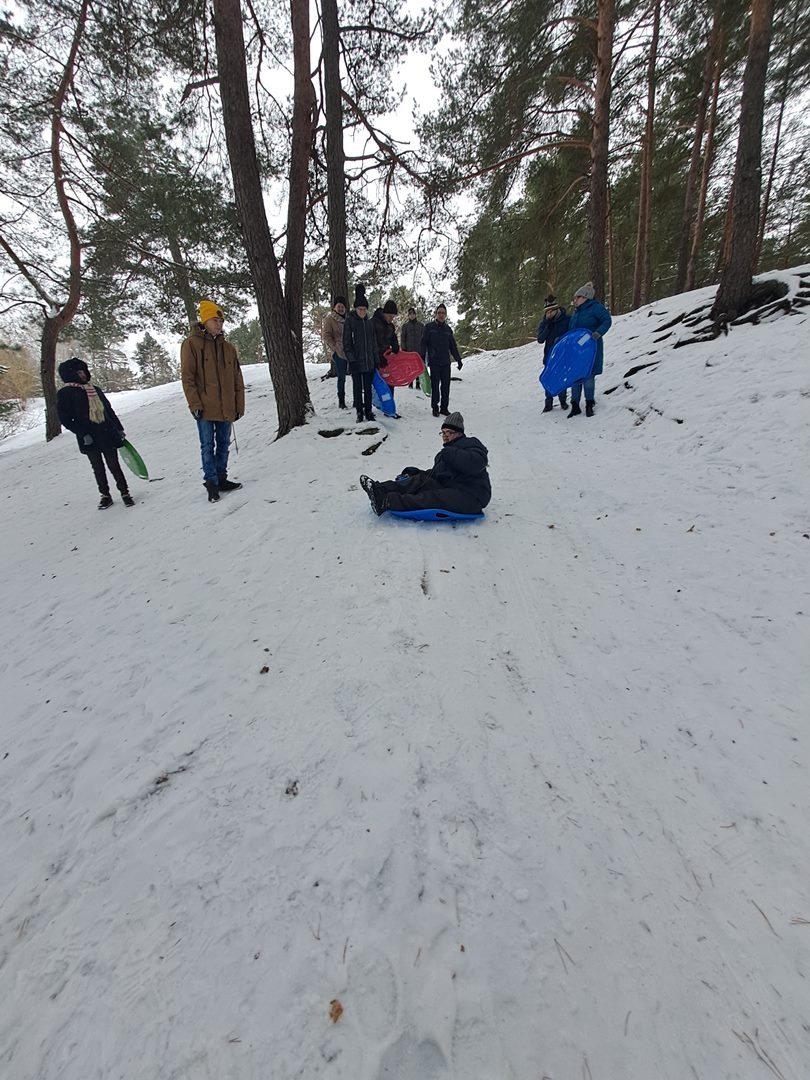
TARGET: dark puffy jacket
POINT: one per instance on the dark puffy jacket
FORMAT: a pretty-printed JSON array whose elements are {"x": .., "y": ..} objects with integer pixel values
[
  {"x": 359, "y": 343},
  {"x": 410, "y": 335},
  {"x": 594, "y": 317},
  {"x": 74, "y": 413},
  {"x": 551, "y": 330},
  {"x": 438, "y": 344},
  {"x": 386, "y": 335},
  {"x": 462, "y": 464}
]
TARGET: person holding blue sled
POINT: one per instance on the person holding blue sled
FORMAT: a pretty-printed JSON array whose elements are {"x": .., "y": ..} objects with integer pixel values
[
  {"x": 588, "y": 314},
  {"x": 458, "y": 481},
  {"x": 552, "y": 327}
]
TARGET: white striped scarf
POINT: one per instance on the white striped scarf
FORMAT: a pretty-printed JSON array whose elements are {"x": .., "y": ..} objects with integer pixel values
[{"x": 95, "y": 406}]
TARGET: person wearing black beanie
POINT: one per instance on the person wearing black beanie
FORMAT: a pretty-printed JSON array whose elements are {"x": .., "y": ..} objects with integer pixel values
[{"x": 360, "y": 347}]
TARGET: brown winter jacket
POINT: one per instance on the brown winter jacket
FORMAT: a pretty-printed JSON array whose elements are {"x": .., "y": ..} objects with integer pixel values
[
  {"x": 332, "y": 334},
  {"x": 211, "y": 375}
]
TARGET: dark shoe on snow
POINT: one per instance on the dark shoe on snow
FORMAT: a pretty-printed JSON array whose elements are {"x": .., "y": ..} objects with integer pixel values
[
  {"x": 377, "y": 498},
  {"x": 589, "y": 408},
  {"x": 127, "y": 499},
  {"x": 435, "y": 412},
  {"x": 370, "y": 415},
  {"x": 549, "y": 405},
  {"x": 575, "y": 409},
  {"x": 228, "y": 485},
  {"x": 213, "y": 491},
  {"x": 444, "y": 412},
  {"x": 563, "y": 401},
  {"x": 359, "y": 418},
  {"x": 105, "y": 502}
]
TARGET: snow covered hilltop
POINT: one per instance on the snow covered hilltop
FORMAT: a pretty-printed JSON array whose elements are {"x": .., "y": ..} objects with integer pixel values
[{"x": 527, "y": 798}]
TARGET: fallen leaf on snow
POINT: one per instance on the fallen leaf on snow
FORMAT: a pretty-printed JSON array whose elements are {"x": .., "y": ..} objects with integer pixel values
[{"x": 335, "y": 1010}]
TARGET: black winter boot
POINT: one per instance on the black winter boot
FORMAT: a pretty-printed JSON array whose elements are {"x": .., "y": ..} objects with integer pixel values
[
  {"x": 563, "y": 401},
  {"x": 228, "y": 485},
  {"x": 549, "y": 405},
  {"x": 575, "y": 409},
  {"x": 359, "y": 416},
  {"x": 105, "y": 502},
  {"x": 127, "y": 499},
  {"x": 370, "y": 415},
  {"x": 341, "y": 401},
  {"x": 213, "y": 491},
  {"x": 589, "y": 408},
  {"x": 377, "y": 497}
]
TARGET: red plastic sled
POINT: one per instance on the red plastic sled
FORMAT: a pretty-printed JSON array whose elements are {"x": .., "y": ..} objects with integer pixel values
[{"x": 403, "y": 368}]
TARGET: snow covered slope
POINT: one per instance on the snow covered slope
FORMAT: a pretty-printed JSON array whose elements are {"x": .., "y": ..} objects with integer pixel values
[{"x": 527, "y": 798}]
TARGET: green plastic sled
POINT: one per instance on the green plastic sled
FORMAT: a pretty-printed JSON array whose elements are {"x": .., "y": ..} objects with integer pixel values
[
  {"x": 424, "y": 382},
  {"x": 133, "y": 460}
]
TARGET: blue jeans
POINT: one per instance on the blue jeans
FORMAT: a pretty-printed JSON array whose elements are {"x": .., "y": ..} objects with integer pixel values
[
  {"x": 589, "y": 386},
  {"x": 214, "y": 461},
  {"x": 341, "y": 367}
]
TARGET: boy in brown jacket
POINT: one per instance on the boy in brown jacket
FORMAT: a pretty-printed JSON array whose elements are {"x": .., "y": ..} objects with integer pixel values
[
  {"x": 215, "y": 392},
  {"x": 332, "y": 337}
]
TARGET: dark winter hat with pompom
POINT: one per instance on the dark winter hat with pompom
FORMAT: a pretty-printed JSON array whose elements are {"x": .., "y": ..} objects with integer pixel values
[
  {"x": 390, "y": 308},
  {"x": 455, "y": 421},
  {"x": 550, "y": 303},
  {"x": 360, "y": 296},
  {"x": 69, "y": 370}
]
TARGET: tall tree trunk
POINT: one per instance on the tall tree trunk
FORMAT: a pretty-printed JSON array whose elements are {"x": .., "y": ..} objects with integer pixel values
[
  {"x": 302, "y": 132},
  {"x": 783, "y": 95},
  {"x": 181, "y": 279},
  {"x": 706, "y": 170},
  {"x": 597, "y": 231},
  {"x": 56, "y": 321},
  {"x": 335, "y": 157},
  {"x": 642, "y": 273},
  {"x": 284, "y": 351},
  {"x": 687, "y": 219},
  {"x": 736, "y": 283}
]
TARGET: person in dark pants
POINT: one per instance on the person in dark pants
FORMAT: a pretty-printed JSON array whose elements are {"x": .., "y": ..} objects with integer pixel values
[
  {"x": 552, "y": 327},
  {"x": 458, "y": 481},
  {"x": 360, "y": 346},
  {"x": 438, "y": 345},
  {"x": 410, "y": 336},
  {"x": 84, "y": 409},
  {"x": 332, "y": 337}
]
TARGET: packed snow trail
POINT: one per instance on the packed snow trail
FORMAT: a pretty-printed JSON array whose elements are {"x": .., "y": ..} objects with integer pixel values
[{"x": 528, "y": 797}]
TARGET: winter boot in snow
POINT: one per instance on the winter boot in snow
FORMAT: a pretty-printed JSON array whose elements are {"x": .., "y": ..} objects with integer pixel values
[
  {"x": 127, "y": 499},
  {"x": 589, "y": 408},
  {"x": 228, "y": 485},
  {"x": 549, "y": 405},
  {"x": 435, "y": 412},
  {"x": 377, "y": 498},
  {"x": 359, "y": 416},
  {"x": 342, "y": 401},
  {"x": 105, "y": 502},
  {"x": 575, "y": 409},
  {"x": 213, "y": 491},
  {"x": 563, "y": 401},
  {"x": 370, "y": 415}
]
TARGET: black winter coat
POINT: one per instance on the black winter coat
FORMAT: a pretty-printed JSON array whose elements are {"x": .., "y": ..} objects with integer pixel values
[
  {"x": 462, "y": 464},
  {"x": 550, "y": 331},
  {"x": 74, "y": 414},
  {"x": 359, "y": 343},
  {"x": 438, "y": 344},
  {"x": 386, "y": 335}
]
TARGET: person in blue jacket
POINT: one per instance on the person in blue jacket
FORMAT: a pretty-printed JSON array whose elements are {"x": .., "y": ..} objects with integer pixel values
[
  {"x": 552, "y": 327},
  {"x": 588, "y": 314}
]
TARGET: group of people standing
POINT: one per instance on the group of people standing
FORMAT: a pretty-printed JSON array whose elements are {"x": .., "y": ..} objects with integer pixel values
[
  {"x": 588, "y": 314},
  {"x": 358, "y": 344}
]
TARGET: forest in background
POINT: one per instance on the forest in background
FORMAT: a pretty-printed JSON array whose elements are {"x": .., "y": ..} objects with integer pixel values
[{"x": 157, "y": 153}]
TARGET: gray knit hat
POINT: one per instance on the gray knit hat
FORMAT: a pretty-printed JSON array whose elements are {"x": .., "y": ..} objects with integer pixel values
[
  {"x": 587, "y": 291},
  {"x": 455, "y": 421}
]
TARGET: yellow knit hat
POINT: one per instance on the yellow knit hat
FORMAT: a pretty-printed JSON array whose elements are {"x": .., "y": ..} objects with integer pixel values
[{"x": 210, "y": 310}]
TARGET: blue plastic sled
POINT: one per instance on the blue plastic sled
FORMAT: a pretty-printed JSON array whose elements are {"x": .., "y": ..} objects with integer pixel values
[
  {"x": 434, "y": 515},
  {"x": 382, "y": 395},
  {"x": 571, "y": 359}
]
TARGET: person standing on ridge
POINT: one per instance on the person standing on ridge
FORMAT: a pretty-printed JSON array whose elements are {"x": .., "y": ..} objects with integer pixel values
[
  {"x": 360, "y": 346},
  {"x": 215, "y": 392},
  {"x": 332, "y": 337},
  {"x": 552, "y": 327},
  {"x": 410, "y": 335},
  {"x": 84, "y": 409},
  {"x": 588, "y": 314},
  {"x": 437, "y": 346}
]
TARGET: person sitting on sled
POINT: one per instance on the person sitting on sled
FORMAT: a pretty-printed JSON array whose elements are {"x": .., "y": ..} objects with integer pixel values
[{"x": 458, "y": 481}]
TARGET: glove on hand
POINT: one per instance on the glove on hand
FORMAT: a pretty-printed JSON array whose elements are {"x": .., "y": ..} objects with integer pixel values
[
  {"x": 88, "y": 440},
  {"x": 197, "y": 414},
  {"x": 596, "y": 335}
]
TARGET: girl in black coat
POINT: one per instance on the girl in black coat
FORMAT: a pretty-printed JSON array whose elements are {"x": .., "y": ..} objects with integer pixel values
[{"x": 85, "y": 410}]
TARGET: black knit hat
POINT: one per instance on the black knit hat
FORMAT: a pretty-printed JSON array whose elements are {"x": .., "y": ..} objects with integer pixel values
[
  {"x": 69, "y": 370},
  {"x": 339, "y": 300},
  {"x": 550, "y": 303},
  {"x": 360, "y": 296},
  {"x": 389, "y": 308}
]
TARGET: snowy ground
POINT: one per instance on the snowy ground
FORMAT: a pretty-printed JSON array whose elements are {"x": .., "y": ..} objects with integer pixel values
[{"x": 528, "y": 798}]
